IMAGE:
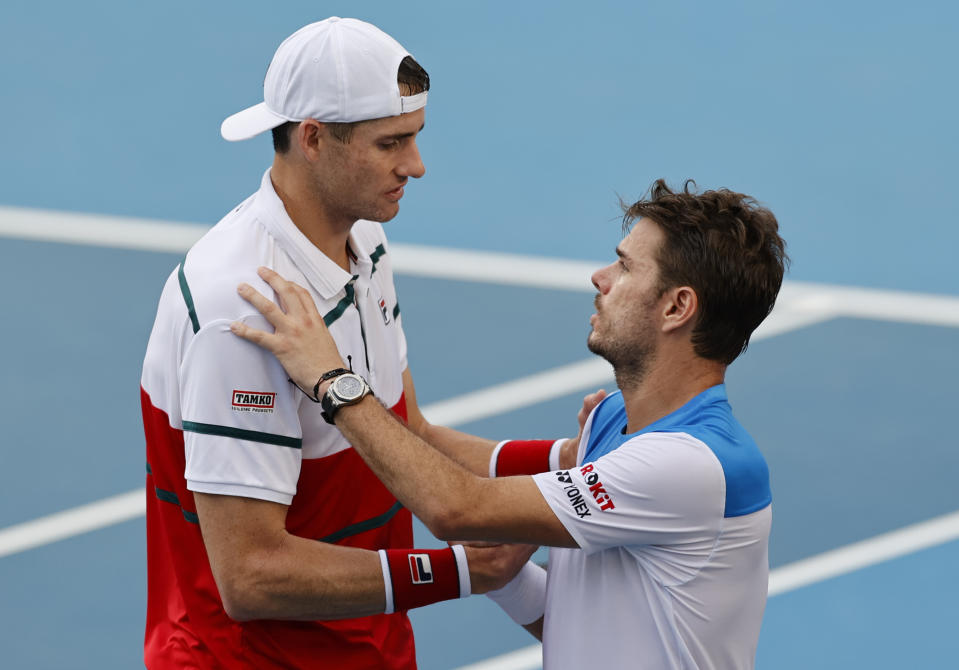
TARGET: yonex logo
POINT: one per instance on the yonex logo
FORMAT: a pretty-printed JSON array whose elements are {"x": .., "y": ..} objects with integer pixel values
[
  {"x": 256, "y": 401},
  {"x": 420, "y": 569}
]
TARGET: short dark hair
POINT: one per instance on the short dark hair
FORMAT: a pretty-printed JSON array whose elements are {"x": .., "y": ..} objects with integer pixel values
[
  {"x": 727, "y": 248},
  {"x": 410, "y": 76}
]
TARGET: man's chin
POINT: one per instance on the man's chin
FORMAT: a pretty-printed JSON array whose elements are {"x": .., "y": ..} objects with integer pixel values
[
  {"x": 384, "y": 215},
  {"x": 593, "y": 345}
]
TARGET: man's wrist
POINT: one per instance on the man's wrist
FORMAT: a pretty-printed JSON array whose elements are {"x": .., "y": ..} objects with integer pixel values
[{"x": 325, "y": 380}]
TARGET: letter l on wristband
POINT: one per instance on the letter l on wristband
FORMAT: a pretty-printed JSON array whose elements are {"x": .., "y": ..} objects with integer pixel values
[{"x": 417, "y": 577}]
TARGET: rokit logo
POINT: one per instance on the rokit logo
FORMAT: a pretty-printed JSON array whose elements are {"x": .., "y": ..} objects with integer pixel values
[
  {"x": 253, "y": 401},
  {"x": 596, "y": 488},
  {"x": 576, "y": 498}
]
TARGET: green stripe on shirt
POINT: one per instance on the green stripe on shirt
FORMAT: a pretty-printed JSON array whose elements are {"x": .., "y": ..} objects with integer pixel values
[{"x": 241, "y": 434}]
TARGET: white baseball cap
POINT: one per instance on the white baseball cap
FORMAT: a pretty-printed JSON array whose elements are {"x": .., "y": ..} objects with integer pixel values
[{"x": 337, "y": 70}]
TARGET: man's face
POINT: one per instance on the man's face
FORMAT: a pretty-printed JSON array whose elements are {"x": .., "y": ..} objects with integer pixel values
[
  {"x": 364, "y": 178},
  {"x": 625, "y": 325}
]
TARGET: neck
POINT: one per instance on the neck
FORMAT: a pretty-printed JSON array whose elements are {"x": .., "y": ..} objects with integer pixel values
[
  {"x": 308, "y": 213},
  {"x": 667, "y": 386}
]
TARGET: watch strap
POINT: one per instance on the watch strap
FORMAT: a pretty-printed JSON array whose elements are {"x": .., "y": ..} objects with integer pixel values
[{"x": 335, "y": 372}]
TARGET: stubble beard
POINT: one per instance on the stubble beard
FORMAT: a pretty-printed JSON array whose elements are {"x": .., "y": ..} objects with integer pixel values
[
  {"x": 631, "y": 360},
  {"x": 631, "y": 353},
  {"x": 346, "y": 197}
]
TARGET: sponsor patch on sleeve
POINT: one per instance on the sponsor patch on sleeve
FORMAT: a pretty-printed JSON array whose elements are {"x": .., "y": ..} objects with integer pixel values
[
  {"x": 573, "y": 494},
  {"x": 596, "y": 488},
  {"x": 253, "y": 401}
]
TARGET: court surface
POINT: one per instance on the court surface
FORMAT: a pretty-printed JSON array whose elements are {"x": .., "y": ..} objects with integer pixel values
[{"x": 834, "y": 115}]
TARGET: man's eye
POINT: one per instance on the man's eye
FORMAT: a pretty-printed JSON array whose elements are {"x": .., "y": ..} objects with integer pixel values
[{"x": 391, "y": 144}]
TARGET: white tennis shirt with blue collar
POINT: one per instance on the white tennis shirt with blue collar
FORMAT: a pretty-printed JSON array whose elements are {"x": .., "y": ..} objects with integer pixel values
[{"x": 673, "y": 525}]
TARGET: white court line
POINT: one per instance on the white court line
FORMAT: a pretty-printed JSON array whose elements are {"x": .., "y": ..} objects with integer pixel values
[
  {"x": 76, "y": 521},
  {"x": 149, "y": 235},
  {"x": 796, "y": 575},
  {"x": 807, "y": 302},
  {"x": 862, "y": 554},
  {"x": 531, "y": 390}
]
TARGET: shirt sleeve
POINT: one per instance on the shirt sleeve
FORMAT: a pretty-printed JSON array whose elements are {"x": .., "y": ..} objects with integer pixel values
[
  {"x": 656, "y": 489},
  {"x": 241, "y": 428}
]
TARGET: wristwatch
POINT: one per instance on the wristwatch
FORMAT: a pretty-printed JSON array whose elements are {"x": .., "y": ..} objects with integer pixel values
[{"x": 346, "y": 389}]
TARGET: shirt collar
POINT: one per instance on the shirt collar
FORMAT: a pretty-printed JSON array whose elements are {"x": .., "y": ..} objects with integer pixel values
[
  {"x": 689, "y": 412},
  {"x": 326, "y": 277}
]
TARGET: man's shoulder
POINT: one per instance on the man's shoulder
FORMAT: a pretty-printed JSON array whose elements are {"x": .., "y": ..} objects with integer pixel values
[
  {"x": 744, "y": 467},
  {"x": 227, "y": 255}
]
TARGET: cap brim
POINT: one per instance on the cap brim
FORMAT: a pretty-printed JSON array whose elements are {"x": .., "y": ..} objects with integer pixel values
[{"x": 249, "y": 122}]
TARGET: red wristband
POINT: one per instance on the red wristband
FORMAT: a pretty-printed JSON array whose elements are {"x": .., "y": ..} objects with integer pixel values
[
  {"x": 523, "y": 457},
  {"x": 419, "y": 577}
]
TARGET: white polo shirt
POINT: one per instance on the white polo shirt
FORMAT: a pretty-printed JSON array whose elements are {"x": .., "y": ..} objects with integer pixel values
[
  {"x": 221, "y": 417},
  {"x": 673, "y": 528},
  {"x": 246, "y": 427}
]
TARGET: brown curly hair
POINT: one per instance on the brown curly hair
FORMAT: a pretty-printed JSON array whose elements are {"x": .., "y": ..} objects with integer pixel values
[{"x": 727, "y": 248}]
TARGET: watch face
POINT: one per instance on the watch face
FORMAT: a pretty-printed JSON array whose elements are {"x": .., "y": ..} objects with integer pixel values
[{"x": 348, "y": 386}]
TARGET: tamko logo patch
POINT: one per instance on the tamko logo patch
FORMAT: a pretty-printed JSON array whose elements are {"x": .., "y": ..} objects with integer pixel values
[{"x": 253, "y": 401}]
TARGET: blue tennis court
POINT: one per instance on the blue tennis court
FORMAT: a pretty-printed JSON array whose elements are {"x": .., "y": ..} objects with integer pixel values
[{"x": 837, "y": 117}]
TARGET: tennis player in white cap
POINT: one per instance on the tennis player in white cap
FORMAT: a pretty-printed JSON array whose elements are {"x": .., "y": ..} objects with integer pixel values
[{"x": 270, "y": 543}]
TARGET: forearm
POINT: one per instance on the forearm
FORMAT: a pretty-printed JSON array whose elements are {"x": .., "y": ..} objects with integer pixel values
[
  {"x": 409, "y": 466},
  {"x": 264, "y": 572},
  {"x": 470, "y": 451},
  {"x": 474, "y": 453},
  {"x": 303, "y": 580}
]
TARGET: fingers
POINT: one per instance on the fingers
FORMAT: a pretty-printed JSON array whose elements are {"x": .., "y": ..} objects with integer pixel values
[
  {"x": 594, "y": 399},
  {"x": 264, "y": 305},
  {"x": 253, "y": 335},
  {"x": 285, "y": 291},
  {"x": 589, "y": 404},
  {"x": 295, "y": 299}
]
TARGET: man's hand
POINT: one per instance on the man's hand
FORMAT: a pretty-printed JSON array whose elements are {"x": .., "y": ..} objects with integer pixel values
[
  {"x": 301, "y": 341},
  {"x": 567, "y": 453},
  {"x": 492, "y": 566}
]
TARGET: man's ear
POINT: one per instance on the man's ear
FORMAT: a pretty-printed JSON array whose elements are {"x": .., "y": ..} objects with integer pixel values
[
  {"x": 680, "y": 308},
  {"x": 310, "y": 136}
]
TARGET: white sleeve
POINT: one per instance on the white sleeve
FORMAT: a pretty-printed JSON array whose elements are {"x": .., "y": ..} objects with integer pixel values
[
  {"x": 658, "y": 488},
  {"x": 241, "y": 430}
]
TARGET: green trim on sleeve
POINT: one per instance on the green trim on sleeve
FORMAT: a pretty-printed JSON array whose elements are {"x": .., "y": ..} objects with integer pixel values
[
  {"x": 188, "y": 297},
  {"x": 241, "y": 434}
]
